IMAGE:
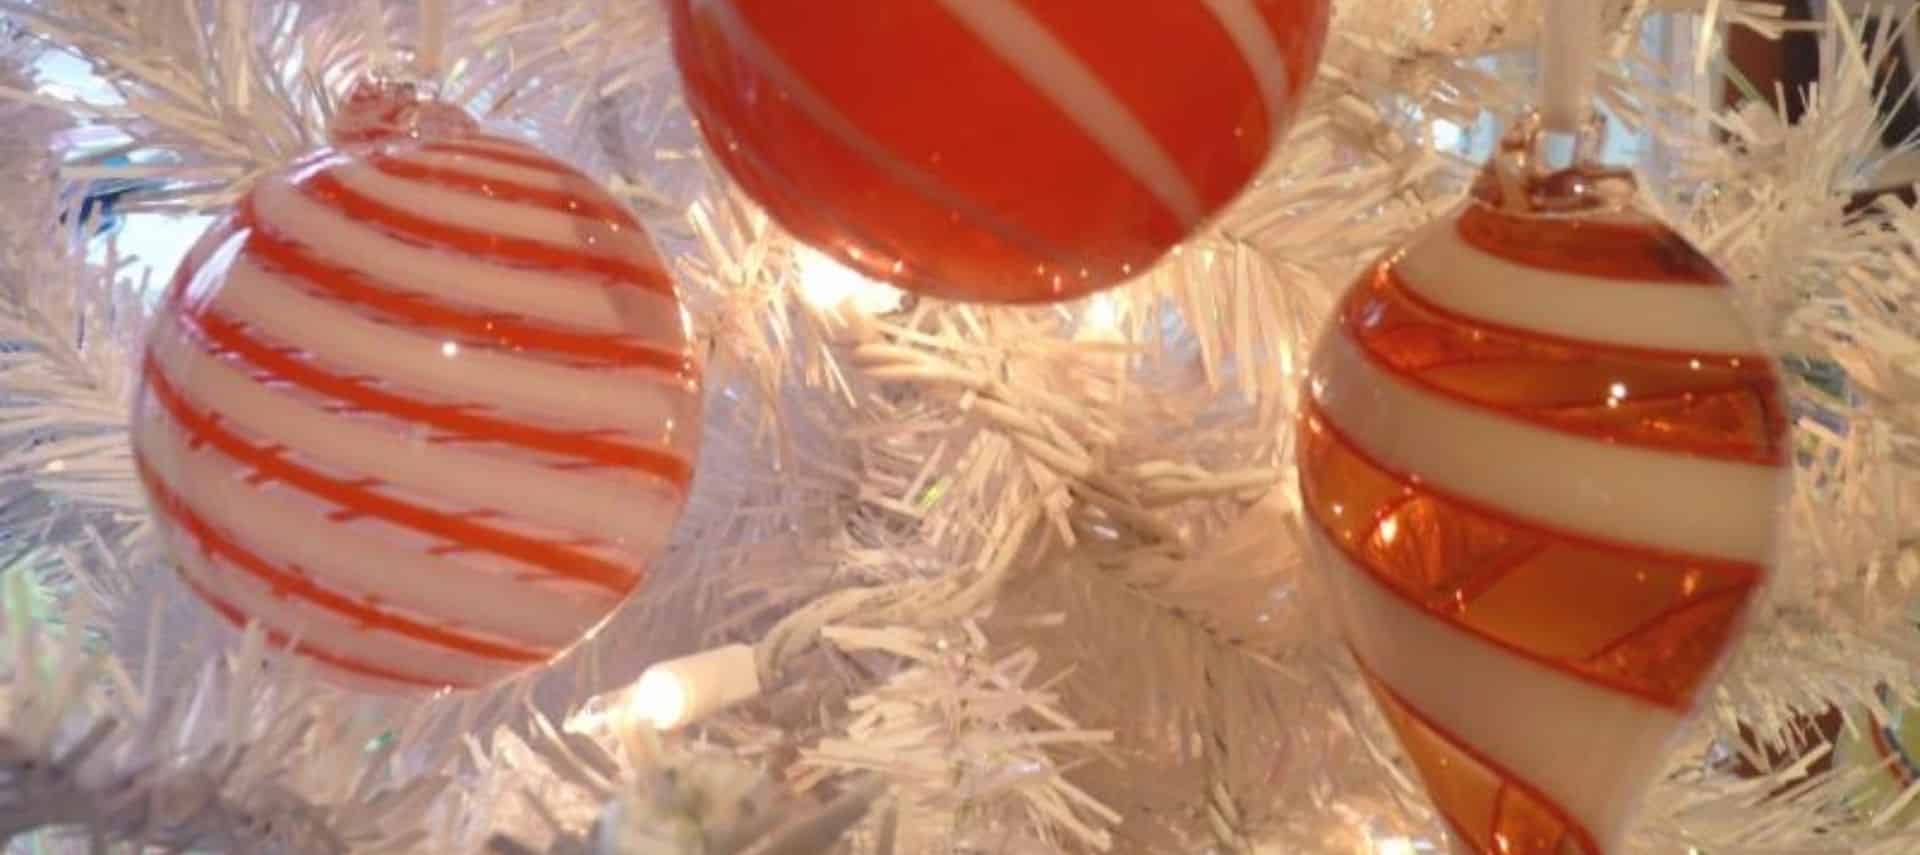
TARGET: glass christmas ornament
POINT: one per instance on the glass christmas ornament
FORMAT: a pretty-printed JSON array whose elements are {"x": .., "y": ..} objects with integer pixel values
[
  {"x": 995, "y": 150},
  {"x": 1542, "y": 462},
  {"x": 423, "y": 406}
]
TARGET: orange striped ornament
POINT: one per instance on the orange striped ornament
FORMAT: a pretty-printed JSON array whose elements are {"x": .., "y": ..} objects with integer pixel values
[
  {"x": 424, "y": 405},
  {"x": 1542, "y": 459},
  {"x": 995, "y": 150}
]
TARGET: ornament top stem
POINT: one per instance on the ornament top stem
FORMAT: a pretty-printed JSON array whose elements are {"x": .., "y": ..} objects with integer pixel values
[
  {"x": 433, "y": 38},
  {"x": 1569, "y": 62}
]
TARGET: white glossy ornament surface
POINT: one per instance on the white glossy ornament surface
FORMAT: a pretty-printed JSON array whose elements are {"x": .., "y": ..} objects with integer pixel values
[
  {"x": 1543, "y": 480},
  {"x": 425, "y": 408}
]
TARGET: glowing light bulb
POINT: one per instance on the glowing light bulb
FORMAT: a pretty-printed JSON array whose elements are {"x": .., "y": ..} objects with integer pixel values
[
  {"x": 1393, "y": 846},
  {"x": 1101, "y": 320},
  {"x": 679, "y": 692},
  {"x": 660, "y": 699},
  {"x": 827, "y": 284}
]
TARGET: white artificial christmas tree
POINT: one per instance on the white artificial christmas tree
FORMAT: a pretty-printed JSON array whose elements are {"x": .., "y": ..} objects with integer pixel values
[{"x": 1003, "y": 580}]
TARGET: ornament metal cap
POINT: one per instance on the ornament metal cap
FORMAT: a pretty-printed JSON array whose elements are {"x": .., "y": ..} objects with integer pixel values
[
  {"x": 384, "y": 107},
  {"x": 1522, "y": 178}
]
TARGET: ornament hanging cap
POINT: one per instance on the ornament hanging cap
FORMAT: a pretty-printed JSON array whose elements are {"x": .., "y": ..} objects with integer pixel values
[
  {"x": 385, "y": 107},
  {"x": 1533, "y": 207},
  {"x": 1522, "y": 178}
]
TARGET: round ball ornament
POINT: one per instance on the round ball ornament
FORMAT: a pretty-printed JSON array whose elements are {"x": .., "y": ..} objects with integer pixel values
[
  {"x": 1542, "y": 462},
  {"x": 423, "y": 406},
  {"x": 1011, "y": 151}
]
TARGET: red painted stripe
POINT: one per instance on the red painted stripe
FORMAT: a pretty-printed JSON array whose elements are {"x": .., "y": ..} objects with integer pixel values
[
  {"x": 1580, "y": 833},
  {"x": 1771, "y": 455},
  {"x": 322, "y": 186},
  {"x": 239, "y": 620},
  {"x": 296, "y": 583},
  {"x": 502, "y": 151},
  {"x": 503, "y": 190},
  {"x": 358, "y": 500},
  {"x": 587, "y": 446},
  {"x": 1399, "y": 285},
  {"x": 1560, "y": 666},
  {"x": 1311, "y": 409},
  {"x": 1741, "y": 592},
  {"x": 501, "y": 330},
  {"x": 1386, "y": 581},
  {"x": 1500, "y": 571},
  {"x": 1648, "y": 253},
  {"x": 1541, "y": 417},
  {"x": 1568, "y": 401}
]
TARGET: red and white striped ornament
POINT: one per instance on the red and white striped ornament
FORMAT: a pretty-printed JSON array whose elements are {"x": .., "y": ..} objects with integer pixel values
[
  {"x": 995, "y": 150},
  {"x": 423, "y": 407},
  {"x": 1542, "y": 460}
]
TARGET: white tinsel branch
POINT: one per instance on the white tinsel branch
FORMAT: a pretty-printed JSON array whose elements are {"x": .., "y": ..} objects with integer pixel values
[{"x": 1066, "y": 482}]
